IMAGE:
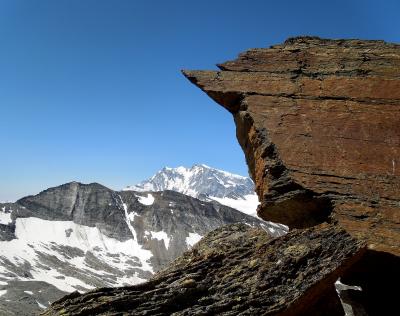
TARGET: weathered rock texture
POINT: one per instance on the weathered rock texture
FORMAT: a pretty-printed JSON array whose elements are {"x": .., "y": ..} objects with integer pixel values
[
  {"x": 236, "y": 270},
  {"x": 319, "y": 122}
]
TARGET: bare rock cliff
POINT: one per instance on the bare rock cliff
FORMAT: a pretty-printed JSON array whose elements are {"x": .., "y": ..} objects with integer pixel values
[{"x": 319, "y": 122}]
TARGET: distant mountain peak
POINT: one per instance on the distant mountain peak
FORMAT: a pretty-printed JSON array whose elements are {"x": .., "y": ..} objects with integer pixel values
[
  {"x": 205, "y": 183},
  {"x": 197, "y": 180}
]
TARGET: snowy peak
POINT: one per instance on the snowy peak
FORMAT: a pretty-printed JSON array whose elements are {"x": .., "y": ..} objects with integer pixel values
[
  {"x": 197, "y": 181},
  {"x": 205, "y": 183}
]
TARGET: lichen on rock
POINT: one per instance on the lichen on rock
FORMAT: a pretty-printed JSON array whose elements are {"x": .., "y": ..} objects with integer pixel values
[{"x": 234, "y": 270}]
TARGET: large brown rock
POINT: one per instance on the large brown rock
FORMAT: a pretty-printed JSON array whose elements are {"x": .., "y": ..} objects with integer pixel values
[
  {"x": 319, "y": 122},
  {"x": 236, "y": 270}
]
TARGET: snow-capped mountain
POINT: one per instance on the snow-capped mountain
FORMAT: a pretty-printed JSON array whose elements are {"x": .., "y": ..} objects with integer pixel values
[
  {"x": 78, "y": 237},
  {"x": 205, "y": 183}
]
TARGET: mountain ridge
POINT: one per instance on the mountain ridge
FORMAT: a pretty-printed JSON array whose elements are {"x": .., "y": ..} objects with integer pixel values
[
  {"x": 79, "y": 236},
  {"x": 206, "y": 183}
]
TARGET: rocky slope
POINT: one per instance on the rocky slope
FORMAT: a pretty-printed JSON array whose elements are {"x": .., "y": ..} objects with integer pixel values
[
  {"x": 80, "y": 237},
  {"x": 234, "y": 270},
  {"x": 318, "y": 121},
  {"x": 205, "y": 183}
]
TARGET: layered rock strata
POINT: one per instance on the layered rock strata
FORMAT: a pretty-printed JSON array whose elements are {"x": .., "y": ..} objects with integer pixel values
[
  {"x": 236, "y": 270},
  {"x": 319, "y": 122}
]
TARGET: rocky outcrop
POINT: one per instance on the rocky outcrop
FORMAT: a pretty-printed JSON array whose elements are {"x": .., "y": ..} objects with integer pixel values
[
  {"x": 235, "y": 270},
  {"x": 319, "y": 122}
]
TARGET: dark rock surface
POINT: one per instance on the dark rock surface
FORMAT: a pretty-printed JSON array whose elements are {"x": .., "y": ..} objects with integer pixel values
[
  {"x": 377, "y": 275},
  {"x": 32, "y": 296},
  {"x": 89, "y": 205},
  {"x": 234, "y": 270}
]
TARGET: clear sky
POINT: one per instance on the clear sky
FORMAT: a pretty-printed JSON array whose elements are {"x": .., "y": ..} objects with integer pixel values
[{"x": 91, "y": 90}]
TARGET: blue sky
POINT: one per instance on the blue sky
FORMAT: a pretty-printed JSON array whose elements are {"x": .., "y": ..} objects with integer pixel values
[{"x": 91, "y": 90}]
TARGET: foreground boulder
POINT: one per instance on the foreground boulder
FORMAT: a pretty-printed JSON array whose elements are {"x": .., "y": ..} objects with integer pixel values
[{"x": 236, "y": 270}]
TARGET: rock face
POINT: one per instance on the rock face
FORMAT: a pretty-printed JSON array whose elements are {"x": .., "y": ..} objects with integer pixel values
[
  {"x": 83, "y": 236},
  {"x": 319, "y": 122},
  {"x": 235, "y": 270}
]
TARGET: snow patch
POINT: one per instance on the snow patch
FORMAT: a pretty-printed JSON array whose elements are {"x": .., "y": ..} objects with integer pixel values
[
  {"x": 161, "y": 235},
  {"x": 181, "y": 169},
  {"x": 247, "y": 205},
  {"x": 2, "y": 292},
  {"x": 37, "y": 236},
  {"x": 129, "y": 218},
  {"x": 5, "y": 217},
  {"x": 341, "y": 286},
  {"x": 41, "y": 305},
  {"x": 28, "y": 292},
  {"x": 149, "y": 200},
  {"x": 192, "y": 239}
]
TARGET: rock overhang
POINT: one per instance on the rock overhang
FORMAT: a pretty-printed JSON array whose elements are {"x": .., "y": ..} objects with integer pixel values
[{"x": 319, "y": 122}]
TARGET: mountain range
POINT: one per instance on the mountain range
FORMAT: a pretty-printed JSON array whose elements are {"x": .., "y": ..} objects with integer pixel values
[{"x": 83, "y": 236}]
